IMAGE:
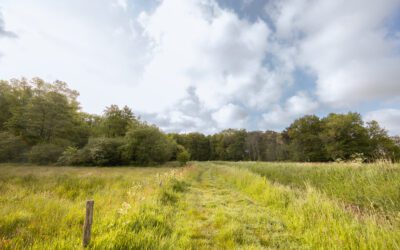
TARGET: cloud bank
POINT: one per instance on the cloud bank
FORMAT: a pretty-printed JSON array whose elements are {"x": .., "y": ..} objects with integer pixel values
[{"x": 345, "y": 44}]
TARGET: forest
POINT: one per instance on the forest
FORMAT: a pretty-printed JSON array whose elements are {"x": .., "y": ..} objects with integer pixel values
[{"x": 42, "y": 123}]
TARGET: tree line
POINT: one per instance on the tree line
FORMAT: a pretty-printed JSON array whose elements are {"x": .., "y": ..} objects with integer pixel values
[{"x": 42, "y": 123}]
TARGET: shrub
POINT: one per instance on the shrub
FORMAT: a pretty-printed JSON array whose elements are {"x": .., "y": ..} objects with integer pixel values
[
  {"x": 104, "y": 151},
  {"x": 98, "y": 152},
  {"x": 12, "y": 148},
  {"x": 71, "y": 156},
  {"x": 183, "y": 157},
  {"x": 147, "y": 145},
  {"x": 45, "y": 153}
]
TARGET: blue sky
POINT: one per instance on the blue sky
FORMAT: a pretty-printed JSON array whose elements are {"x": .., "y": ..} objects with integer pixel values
[{"x": 207, "y": 65}]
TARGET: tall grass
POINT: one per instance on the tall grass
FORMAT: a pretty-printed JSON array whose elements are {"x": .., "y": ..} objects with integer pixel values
[
  {"x": 310, "y": 217},
  {"x": 43, "y": 207},
  {"x": 206, "y": 206},
  {"x": 373, "y": 187}
]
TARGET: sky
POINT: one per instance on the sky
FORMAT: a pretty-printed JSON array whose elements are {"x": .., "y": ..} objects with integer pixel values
[{"x": 208, "y": 65}]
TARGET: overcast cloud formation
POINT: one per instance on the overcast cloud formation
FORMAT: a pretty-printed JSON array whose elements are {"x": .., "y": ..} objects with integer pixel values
[{"x": 207, "y": 65}]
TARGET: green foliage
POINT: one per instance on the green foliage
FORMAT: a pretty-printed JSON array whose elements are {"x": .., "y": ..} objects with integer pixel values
[
  {"x": 98, "y": 152},
  {"x": 93, "y": 123},
  {"x": 183, "y": 157},
  {"x": 196, "y": 144},
  {"x": 70, "y": 157},
  {"x": 34, "y": 112},
  {"x": 105, "y": 151},
  {"x": 344, "y": 135},
  {"x": 381, "y": 146},
  {"x": 12, "y": 148},
  {"x": 265, "y": 146},
  {"x": 116, "y": 121},
  {"x": 229, "y": 145},
  {"x": 7, "y": 101},
  {"x": 234, "y": 141},
  {"x": 305, "y": 141},
  {"x": 339, "y": 137},
  {"x": 45, "y": 153},
  {"x": 49, "y": 112},
  {"x": 148, "y": 145}
]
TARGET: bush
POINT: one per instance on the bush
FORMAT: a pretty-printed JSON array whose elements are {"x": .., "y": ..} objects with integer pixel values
[
  {"x": 73, "y": 157},
  {"x": 183, "y": 157},
  {"x": 105, "y": 151},
  {"x": 45, "y": 153},
  {"x": 98, "y": 152},
  {"x": 148, "y": 145},
  {"x": 12, "y": 148}
]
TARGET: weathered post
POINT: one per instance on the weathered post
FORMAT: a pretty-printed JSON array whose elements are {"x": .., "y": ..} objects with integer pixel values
[{"x": 87, "y": 226}]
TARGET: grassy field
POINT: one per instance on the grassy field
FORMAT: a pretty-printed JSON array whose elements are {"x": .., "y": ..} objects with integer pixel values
[
  {"x": 373, "y": 187},
  {"x": 203, "y": 206}
]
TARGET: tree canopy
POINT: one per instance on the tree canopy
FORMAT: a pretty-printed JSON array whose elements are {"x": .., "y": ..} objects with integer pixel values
[{"x": 42, "y": 123}]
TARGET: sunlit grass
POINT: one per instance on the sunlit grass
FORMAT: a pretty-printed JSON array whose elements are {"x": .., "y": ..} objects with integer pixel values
[
  {"x": 311, "y": 217},
  {"x": 373, "y": 187},
  {"x": 45, "y": 205},
  {"x": 204, "y": 206}
]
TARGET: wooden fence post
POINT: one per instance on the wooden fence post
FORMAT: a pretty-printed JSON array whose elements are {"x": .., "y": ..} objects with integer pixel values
[{"x": 87, "y": 226}]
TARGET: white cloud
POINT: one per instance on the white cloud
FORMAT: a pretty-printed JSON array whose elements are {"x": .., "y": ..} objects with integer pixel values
[
  {"x": 230, "y": 116},
  {"x": 210, "y": 48},
  {"x": 387, "y": 118},
  {"x": 276, "y": 118},
  {"x": 122, "y": 4},
  {"x": 345, "y": 44},
  {"x": 295, "y": 107},
  {"x": 187, "y": 115},
  {"x": 216, "y": 54},
  {"x": 301, "y": 104}
]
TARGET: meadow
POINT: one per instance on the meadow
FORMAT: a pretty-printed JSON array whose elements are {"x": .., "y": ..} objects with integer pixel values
[{"x": 205, "y": 205}]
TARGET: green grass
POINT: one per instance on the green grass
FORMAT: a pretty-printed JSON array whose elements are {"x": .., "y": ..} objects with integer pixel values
[
  {"x": 312, "y": 219},
  {"x": 373, "y": 187},
  {"x": 43, "y": 207},
  {"x": 204, "y": 206}
]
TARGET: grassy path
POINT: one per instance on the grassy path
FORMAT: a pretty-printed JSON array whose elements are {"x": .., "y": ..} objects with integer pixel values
[
  {"x": 220, "y": 217},
  {"x": 232, "y": 208}
]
